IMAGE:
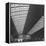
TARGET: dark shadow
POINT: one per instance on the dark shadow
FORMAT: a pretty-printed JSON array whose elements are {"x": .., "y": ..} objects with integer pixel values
[
  {"x": 13, "y": 31},
  {"x": 33, "y": 17}
]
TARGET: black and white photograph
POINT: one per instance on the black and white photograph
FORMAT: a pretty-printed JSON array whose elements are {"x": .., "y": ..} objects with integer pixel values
[{"x": 24, "y": 22}]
